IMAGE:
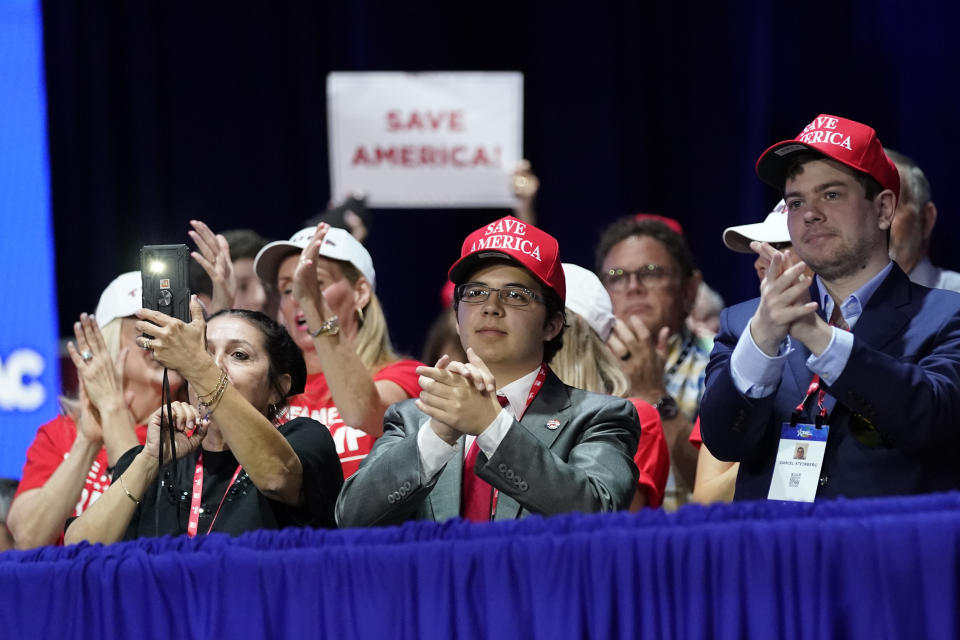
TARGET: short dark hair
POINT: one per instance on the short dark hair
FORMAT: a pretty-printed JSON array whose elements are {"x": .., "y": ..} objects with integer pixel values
[
  {"x": 795, "y": 167},
  {"x": 551, "y": 301},
  {"x": 285, "y": 356},
  {"x": 243, "y": 243},
  {"x": 673, "y": 242}
]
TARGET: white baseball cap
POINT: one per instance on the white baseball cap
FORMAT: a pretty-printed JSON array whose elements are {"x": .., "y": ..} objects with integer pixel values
[
  {"x": 773, "y": 229},
  {"x": 587, "y": 297},
  {"x": 122, "y": 298},
  {"x": 338, "y": 244}
]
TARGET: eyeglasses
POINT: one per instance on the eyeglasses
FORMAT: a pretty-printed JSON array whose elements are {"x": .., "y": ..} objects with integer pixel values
[
  {"x": 649, "y": 275},
  {"x": 509, "y": 296}
]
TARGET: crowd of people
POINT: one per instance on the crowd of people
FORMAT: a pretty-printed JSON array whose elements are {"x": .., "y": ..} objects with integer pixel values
[{"x": 544, "y": 387}]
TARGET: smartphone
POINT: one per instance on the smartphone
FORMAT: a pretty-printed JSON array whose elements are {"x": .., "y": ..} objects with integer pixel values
[{"x": 164, "y": 272}]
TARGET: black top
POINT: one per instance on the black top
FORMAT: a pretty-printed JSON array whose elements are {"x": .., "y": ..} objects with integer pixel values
[{"x": 244, "y": 508}]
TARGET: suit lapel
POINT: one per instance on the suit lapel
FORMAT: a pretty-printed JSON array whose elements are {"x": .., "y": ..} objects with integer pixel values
[
  {"x": 552, "y": 405},
  {"x": 887, "y": 311},
  {"x": 444, "y": 499}
]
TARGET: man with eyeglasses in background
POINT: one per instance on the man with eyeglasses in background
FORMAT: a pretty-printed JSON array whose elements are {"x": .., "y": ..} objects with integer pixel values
[
  {"x": 648, "y": 270},
  {"x": 499, "y": 437}
]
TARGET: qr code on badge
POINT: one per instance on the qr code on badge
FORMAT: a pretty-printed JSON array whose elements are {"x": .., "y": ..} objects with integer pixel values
[{"x": 794, "y": 479}]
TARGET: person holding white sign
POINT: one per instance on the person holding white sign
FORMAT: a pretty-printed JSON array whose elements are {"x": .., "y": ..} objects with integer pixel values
[
  {"x": 329, "y": 306},
  {"x": 858, "y": 368}
]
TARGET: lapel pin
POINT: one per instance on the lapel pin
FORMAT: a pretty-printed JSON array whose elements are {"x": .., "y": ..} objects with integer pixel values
[{"x": 553, "y": 424}]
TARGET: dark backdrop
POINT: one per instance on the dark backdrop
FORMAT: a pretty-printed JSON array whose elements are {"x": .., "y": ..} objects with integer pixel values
[{"x": 161, "y": 111}]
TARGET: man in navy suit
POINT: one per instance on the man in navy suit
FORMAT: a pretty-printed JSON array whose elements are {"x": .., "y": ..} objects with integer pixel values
[{"x": 885, "y": 351}]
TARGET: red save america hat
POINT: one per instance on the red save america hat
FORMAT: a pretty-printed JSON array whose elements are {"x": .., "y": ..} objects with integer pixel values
[
  {"x": 851, "y": 143},
  {"x": 516, "y": 240}
]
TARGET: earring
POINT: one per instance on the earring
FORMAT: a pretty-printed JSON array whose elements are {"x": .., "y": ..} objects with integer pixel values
[{"x": 359, "y": 315}]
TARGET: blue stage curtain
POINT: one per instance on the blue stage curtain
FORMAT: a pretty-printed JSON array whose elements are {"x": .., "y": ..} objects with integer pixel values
[{"x": 880, "y": 568}]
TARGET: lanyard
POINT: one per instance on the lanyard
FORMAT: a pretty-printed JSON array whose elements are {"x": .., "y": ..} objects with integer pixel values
[
  {"x": 813, "y": 389},
  {"x": 534, "y": 390},
  {"x": 194, "y": 519}
]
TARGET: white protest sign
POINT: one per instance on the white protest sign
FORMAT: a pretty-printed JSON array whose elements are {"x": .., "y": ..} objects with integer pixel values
[{"x": 425, "y": 139}]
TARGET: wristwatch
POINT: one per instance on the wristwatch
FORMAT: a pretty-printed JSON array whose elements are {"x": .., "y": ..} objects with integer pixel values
[
  {"x": 667, "y": 407},
  {"x": 330, "y": 327}
]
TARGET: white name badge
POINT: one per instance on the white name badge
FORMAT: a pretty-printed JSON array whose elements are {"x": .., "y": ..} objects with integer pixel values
[{"x": 796, "y": 473}]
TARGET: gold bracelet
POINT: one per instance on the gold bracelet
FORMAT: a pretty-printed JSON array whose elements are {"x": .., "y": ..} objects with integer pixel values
[
  {"x": 129, "y": 495},
  {"x": 207, "y": 407},
  {"x": 221, "y": 383}
]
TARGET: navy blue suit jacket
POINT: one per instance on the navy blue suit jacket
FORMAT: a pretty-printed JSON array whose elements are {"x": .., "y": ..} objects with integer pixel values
[{"x": 895, "y": 427}]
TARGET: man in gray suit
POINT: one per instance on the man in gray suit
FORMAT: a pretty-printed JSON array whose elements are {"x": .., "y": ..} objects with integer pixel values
[{"x": 500, "y": 436}]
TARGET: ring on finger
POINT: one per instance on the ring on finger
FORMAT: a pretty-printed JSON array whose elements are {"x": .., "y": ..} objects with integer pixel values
[
  {"x": 148, "y": 344},
  {"x": 86, "y": 356}
]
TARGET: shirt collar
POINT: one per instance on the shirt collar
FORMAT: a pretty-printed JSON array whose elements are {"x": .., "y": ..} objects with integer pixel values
[
  {"x": 518, "y": 391},
  {"x": 925, "y": 273},
  {"x": 852, "y": 307}
]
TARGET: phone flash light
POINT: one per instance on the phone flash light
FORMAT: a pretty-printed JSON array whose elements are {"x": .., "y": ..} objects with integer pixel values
[{"x": 157, "y": 266}]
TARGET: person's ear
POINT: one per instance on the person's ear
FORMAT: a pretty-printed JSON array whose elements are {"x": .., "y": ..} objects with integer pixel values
[
  {"x": 552, "y": 326},
  {"x": 362, "y": 292},
  {"x": 282, "y": 388},
  {"x": 886, "y": 203},
  {"x": 929, "y": 213}
]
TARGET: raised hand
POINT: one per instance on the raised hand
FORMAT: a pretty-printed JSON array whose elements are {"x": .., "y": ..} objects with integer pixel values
[
  {"x": 214, "y": 257},
  {"x": 101, "y": 377},
  {"x": 784, "y": 299},
  {"x": 642, "y": 355},
  {"x": 458, "y": 396},
  {"x": 176, "y": 344}
]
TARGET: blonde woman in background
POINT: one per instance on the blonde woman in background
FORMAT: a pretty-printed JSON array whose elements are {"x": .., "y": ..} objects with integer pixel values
[
  {"x": 328, "y": 304},
  {"x": 585, "y": 362}
]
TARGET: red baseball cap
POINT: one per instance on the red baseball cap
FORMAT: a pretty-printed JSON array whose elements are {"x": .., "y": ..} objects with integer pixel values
[
  {"x": 673, "y": 223},
  {"x": 851, "y": 143},
  {"x": 533, "y": 249}
]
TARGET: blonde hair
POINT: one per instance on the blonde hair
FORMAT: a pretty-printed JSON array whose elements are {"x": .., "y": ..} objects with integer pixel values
[
  {"x": 372, "y": 342},
  {"x": 586, "y": 363}
]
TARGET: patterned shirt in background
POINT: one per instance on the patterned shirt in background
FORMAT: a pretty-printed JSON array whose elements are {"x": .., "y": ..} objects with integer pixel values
[{"x": 685, "y": 379}]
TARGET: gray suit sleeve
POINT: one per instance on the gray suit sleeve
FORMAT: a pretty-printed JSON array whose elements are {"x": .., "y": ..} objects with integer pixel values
[
  {"x": 386, "y": 489},
  {"x": 599, "y": 473}
]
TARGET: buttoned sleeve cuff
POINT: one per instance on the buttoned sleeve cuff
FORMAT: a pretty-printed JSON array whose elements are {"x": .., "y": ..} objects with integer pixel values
[
  {"x": 754, "y": 373},
  {"x": 492, "y": 436},
  {"x": 831, "y": 363},
  {"x": 434, "y": 452}
]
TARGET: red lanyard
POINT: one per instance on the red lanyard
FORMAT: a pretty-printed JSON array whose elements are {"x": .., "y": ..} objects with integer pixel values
[
  {"x": 534, "y": 390},
  {"x": 194, "y": 520},
  {"x": 813, "y": 389}
]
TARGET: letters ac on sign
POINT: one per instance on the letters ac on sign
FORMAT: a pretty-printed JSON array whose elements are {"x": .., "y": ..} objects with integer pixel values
[{"x": 20, "y": 387}]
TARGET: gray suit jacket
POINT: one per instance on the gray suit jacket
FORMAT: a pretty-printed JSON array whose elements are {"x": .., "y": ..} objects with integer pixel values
[{"x": 585, "y": 464}]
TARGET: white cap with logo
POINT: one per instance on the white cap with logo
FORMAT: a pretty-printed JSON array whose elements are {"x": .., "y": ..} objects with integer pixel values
[
  {"x": 587, "y": 297},
  {"x": 338, "y": 244},
  {"x": 122, "y": 298}
]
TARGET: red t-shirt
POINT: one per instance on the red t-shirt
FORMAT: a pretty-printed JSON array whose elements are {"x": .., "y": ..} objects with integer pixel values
[
  {"x": 49, "y": 448},
  {"x": 695, "y": 438},
  {"x": 652, "y": 457},
  {"x": 315, "y": 402}
]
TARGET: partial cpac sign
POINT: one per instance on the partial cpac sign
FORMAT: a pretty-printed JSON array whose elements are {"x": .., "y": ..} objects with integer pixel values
[
  {"x": 425, "y": 139},
  {"x": 29, "y": 347}
]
